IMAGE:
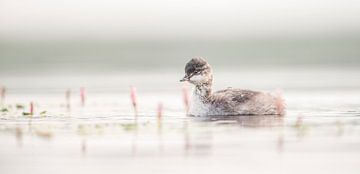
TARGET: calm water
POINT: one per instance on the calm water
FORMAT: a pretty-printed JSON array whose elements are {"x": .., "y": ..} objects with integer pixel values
[{"x": 319, "y": 134}]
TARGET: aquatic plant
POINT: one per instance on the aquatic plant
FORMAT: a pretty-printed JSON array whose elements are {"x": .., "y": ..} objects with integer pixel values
[
  {"x": 26, "y": 113},
  {"x": 4, "y": 110},
  {"x": 2, "y": 93},
  {"x": 67, "y": 98},
  {"x": 159, "y": 113},
  {"x": 43, "y": 113},
  {"x": 19, "y": 106},
  {"x": 129, "y": 126},
  {"x": 31, "y": 108},
  {"x": 133, "y": 97},
  {"x": 82, "y": 96}
]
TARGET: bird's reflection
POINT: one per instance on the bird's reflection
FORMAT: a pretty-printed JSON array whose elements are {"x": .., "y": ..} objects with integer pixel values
[
  {"x": 245, "y": 120},
  {"x": 197, "y": 143},
  {"x": 200, "y": 142}
]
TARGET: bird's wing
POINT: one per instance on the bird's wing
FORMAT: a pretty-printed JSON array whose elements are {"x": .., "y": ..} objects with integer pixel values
[{"x": 235, "y": 96}]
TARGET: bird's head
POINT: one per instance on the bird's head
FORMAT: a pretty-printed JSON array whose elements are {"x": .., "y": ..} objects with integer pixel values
[{"x": 198, "y": 72}]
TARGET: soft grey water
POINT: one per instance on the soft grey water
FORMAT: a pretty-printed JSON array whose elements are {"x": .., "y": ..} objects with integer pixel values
[{"x": 319, "y": 133}]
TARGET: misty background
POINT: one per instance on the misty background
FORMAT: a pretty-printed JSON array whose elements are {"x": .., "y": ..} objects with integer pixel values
[{"x": 75, "y": 36}]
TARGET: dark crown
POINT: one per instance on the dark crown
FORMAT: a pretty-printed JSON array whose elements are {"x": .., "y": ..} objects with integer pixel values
[{"x": 196, "y": 64}]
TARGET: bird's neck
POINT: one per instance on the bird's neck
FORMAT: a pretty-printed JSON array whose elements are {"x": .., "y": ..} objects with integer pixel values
[{"x": 203, "y": 90}]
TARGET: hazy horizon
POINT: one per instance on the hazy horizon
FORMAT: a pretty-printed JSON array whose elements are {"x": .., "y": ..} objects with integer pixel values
[
  {"x": 101, "y": 56},
  {"x": 116, "y": 36}
]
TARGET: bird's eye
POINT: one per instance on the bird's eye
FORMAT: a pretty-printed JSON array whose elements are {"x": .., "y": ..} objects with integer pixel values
[{"x": 197, "y": 72}]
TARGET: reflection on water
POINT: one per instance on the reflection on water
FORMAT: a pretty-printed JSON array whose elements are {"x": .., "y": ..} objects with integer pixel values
[
  {"x": 247, "y": 121},
  {"x": 321, "y": 126}
]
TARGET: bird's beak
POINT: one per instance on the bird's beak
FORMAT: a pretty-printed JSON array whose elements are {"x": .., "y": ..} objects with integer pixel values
[{"x": 184, "y": 79}]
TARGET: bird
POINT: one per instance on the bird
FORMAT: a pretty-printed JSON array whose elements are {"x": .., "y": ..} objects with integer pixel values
[{"x": 227, "y": 102}]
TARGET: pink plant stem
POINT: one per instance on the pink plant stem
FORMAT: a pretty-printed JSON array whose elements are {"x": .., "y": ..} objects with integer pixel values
[
  {"x": 31, "y": 108},
  {"x": 3, "y": 92},
  {"x": 134, "y": 100},
  {"x": 82, "y": 96},
  {"x": 159, "y": 113},
  {"x": 186, "y": 98}
]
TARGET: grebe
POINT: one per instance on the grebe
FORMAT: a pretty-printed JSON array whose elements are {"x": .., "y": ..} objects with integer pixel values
[{"x": 230, "y": 101}]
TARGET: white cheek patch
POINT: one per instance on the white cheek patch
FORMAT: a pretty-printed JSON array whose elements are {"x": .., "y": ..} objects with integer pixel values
[{"x": 197, "y": 78}]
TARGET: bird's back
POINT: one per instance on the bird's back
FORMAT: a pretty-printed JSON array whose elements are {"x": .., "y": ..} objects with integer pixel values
[{"x": 244, "y": 102}]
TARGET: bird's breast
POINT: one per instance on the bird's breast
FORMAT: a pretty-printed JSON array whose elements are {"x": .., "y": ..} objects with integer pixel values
[{"x": 197, "y": 106}]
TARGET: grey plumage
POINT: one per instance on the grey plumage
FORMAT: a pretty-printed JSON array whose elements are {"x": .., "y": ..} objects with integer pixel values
[{"x": 229, "y": 101}]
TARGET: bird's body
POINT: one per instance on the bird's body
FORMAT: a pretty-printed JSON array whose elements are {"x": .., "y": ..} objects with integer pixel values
[
  {"x": 230, "y": 101},
  {"x": 236, "y": 102}
]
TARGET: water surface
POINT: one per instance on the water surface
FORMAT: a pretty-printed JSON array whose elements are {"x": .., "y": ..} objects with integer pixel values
[{"x": 319, "y": 133}]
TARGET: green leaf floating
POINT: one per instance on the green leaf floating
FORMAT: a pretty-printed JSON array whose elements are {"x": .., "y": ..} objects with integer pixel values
[
  {"x": 19, "y": 106},
  {"x": 26, "y": 113},
  {"x": 43, "y": 113}
]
